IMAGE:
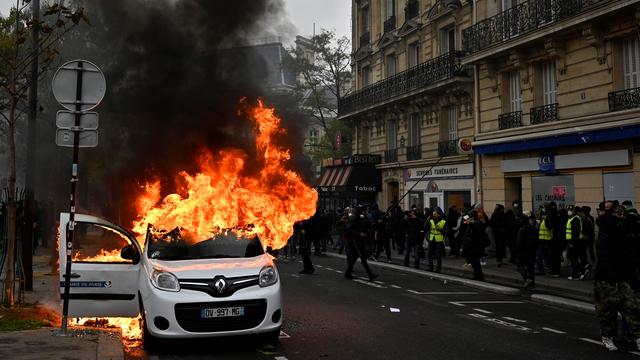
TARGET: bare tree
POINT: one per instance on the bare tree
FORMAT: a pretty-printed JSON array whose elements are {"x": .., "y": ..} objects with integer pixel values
[{"x": 16, "y": 58}]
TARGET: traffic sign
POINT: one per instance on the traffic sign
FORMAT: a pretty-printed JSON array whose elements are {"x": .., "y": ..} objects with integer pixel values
[
  {"x": 92, "y": 85},
  {"x": 67, "y": 120},
  {"x": 87, "y": 138}
]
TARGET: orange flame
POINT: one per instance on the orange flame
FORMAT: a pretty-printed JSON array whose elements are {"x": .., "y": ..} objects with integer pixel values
[{"x": 268, "y": 202}]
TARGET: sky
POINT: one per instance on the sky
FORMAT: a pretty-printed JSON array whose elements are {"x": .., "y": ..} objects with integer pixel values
[{"x": 327, "y": 14}]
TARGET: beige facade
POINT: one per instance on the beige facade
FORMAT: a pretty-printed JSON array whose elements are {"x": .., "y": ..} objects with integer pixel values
[
  {"x": 558, "y": 83},
  {"x": 413, "y": 99}
]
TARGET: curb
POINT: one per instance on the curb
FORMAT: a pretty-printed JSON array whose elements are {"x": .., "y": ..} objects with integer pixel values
[
  {"x": 497, "y": 289},
  {"x": 570, "y": 304}
]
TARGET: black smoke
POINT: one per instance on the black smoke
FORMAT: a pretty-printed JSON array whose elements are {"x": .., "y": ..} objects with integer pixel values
[{"x": 176, "y": 71}]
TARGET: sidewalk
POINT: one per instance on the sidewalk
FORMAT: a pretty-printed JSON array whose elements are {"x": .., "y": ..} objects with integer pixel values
[{"x": 45, "y": 343}]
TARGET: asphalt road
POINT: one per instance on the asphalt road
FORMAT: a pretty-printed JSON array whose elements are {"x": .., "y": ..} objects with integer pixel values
[{"x": 404, "y": 316}]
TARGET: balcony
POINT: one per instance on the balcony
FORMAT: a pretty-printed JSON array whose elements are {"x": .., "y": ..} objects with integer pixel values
[
  {"x": 510, "y": 120},
  {"x": 448, "y": 148},
  {"x": 365, "y": 39},
  {"x": 624, "y": 99},
  {"x": 521, "y": 19},
  {"x": 443, "y": 67},
  {"x": 390, "y": 24},
  {"x": 391, "y": 155},
  {"x": 414, "y": 152},
  {"x": 544, "y": 114},
  {"x": 412, "y": 9}
]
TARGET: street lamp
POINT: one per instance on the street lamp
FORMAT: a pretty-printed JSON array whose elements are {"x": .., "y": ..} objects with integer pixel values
[{"x": 450, "y": 4}]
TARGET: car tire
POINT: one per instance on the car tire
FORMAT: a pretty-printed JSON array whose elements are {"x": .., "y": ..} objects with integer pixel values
[
  {"x": 273, "y": 338},
  {"x": 149, "y": 342}
]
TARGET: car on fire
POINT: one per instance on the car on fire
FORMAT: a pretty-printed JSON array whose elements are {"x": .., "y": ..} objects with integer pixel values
[{"x": 182, "y": 287}]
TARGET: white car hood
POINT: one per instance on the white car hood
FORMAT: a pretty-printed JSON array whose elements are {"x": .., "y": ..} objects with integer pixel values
[{"x": 209, "y": 268}]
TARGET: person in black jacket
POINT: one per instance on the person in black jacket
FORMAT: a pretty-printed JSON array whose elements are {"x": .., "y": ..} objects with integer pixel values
[
  {"x": 526, "y": 248},
  {"x": 500, "y": 232},
  {"x": 474, "y": 241},
  {"x": 301, "y": 229},
  {"x": 412, "y": 227},
  {"x": 614, "y": 276},
  {"x": 357, "y": 232}
]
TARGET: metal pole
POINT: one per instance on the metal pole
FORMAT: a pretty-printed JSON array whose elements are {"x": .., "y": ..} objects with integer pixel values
[
  {"x": 27, "y": 244},
  {"x": 74, "y": 181}
]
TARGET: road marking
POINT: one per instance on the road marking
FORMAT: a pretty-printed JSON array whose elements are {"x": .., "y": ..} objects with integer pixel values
[
  {"x": 591, "y": 341},
  {"x": 553, "y": 330},
  {"x": 295, "y": 276},
  {"x": 514, "y": 319},
  {"x": 320, "y": 266},
  {"x": 442, "y": 292},
  {"x": 379, "y": 282},
  {"x": 634, "y": 353},
  {"x": 499, "y": 322},
  {"x": 280, "y": 358},
  {"x": 462, "y": 303},
  {"x": 370, "y": 283},
  {"x": 396, "y": 286},
  {"x": 338, "y": 271},
  {"x": 483, "y": 311},
  {"x": 330, "y": 269},
  {"x": 284, "y": 335},
  {"x": 479, "y": 316}
]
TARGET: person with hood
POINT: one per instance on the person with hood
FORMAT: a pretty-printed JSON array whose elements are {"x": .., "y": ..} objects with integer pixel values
[
  {"x": 474, "y": 242},
  {"x": 357, "y": 232},
  {"x": 500, "y": 232},
  {"x": 526, "y": 248},
  {"x": 412, "y": 226},
  {"x": 437, "y": 229}
]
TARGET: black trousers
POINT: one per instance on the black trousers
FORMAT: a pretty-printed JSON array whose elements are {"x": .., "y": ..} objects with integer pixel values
[
  {"x": 384, "y": 244},
  {"x": 477, "y": 268},
  {"x": 415, "y": 248},
  {"x": 305, "y": 252},
  {"x": 527, "y": 268},
  {"x": 355, "y": 250}
]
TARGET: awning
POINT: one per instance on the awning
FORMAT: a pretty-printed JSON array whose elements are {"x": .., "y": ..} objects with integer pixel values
[
  {"x": 576, "y": 138},
  {"x": 352, "y": 178}
]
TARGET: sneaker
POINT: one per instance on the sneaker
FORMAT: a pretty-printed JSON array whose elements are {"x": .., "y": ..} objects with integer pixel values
[
  {"x": 608, "y": 343},
  {"x": 574, "y": 278},
  {"x": 483, "y": 263}
]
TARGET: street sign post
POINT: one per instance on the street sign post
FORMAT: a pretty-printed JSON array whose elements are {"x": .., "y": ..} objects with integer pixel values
[{"x": 79, "y": 86}]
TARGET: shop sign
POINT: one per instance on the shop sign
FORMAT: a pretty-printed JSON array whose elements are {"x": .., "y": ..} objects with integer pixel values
[
  {"x": 547, "y": 163},
  {"x": 363, "y": 159},
  {"x": 365, "y": 188},
  {"x": 442, "y": 172},
  {"x": 553, "y": 188}
]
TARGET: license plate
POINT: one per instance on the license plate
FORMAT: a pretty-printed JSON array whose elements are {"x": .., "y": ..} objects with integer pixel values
[{"x": 222, "y": 312}]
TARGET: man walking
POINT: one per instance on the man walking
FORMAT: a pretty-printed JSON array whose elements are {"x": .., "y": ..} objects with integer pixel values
[
  {"x": 526, "y": 247},
  {"x": 357, "y": 233},
  {"x": 412, "y": 226},
  {"x": 304, "y": 242},
  {"x": 500, "y": 232},
  {"x": 437, "y": 228}
]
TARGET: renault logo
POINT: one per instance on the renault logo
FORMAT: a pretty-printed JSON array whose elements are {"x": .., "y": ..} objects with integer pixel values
[{"x": 220, "y": 285}]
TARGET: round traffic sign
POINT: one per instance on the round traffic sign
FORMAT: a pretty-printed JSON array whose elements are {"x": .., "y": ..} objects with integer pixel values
[{"x": 79, "y": 85}]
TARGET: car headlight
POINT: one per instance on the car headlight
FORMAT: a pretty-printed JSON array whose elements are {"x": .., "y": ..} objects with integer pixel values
[
  {"x": 268, "y": 276},
  {"x": 165, "y": 280}
]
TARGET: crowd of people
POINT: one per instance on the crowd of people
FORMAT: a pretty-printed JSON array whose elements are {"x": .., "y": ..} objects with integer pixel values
[{"x": 537, "y": 243}]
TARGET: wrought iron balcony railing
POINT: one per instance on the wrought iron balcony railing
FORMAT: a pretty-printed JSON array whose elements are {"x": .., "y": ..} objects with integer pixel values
[
  {"x": 510, "y": 120},
  {"x": 430, "y": 72},
  {"x": 624, "y": 99},
  {"x": 390, "y": 24},
  {"x": 414, "y": 152},
  {"x": 364, "y": 39},
  {"x": 412, "y": 9},
  {"x": 448, "y": 148},
  {"x": 391, "y": 155},
  {"x": 521, "y": 19},
  {"x": 544, "y": 114}
]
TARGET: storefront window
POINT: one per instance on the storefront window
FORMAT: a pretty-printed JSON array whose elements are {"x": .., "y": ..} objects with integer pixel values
[
  {"x": 619, "y": 186},
  {"x": 559, "y": 189}
]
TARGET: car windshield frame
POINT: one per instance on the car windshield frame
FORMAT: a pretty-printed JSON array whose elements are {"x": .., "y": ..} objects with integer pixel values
[{"x": 166, "y": 246}]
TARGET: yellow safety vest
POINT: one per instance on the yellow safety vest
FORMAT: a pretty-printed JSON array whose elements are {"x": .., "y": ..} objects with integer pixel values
[
  {"x": 568, "y": 230},
  {"x": 437, "y": 231},
  {"x": 544, "y": 233}
]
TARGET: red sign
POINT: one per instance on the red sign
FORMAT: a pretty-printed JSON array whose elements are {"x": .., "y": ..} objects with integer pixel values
[{"x": 559, "y": 192}]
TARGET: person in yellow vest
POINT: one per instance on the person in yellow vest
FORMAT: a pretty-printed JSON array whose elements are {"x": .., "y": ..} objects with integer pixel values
[
  {"x": 575, "y": 243},
  {"x": 545, "y": 234},
  {"x": 437, "y": 229}
]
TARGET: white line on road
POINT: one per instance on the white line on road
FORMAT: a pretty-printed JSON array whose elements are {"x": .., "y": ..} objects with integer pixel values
[
  {"x": 634, "y": 353},
  {"x": 379, "y": 282},
  {"x": 483, "y": 311},
  {"x": 280, "y": 358},
  {"x": 553, "y": 330},
  {"x": 462, "y": 303},
  {"x": 320, "y": 266},
  {"x": 330, "y": 269},
  {"x": 514, "y": 319},
  {"x": 499, "y": 322},
  {"x": 479, "y": 316},
  {"x": 338, "y": 271},
  {"x": 442, "y": 292},
  {"x": 396, "y": 286},
  {"x": 366, "y": 282},
  {"x": 591, "y": 341},
  {"x": 295, "y": 276}
]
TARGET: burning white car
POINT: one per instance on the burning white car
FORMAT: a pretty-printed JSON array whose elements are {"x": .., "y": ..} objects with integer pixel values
[{"x": 225, "y": 285}]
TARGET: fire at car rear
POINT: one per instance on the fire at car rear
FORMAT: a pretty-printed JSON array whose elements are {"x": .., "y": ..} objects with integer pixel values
[{"x": 224, "y": 285}]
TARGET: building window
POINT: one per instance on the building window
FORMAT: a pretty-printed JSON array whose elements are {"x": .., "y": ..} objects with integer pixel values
[
  {"x": 366, "y": 76},
  {"x": 549, "y": 83},
  {"x": 365, "y": 140},
  {"x": 413, "y": 58},
  {"x": 364, "y": 20},
  {"x": 515, "y": 96},
  {"x": 452, "y": 117},
  {"x": 631, "y": 53},
  {"x": 314, "y": 136},
  {"x": 391, "y": 65},
  {"x": 447, "y": 40},
  {"x": 391, "y": 8},
  {"x": 392, "y": 134},
  {"x": 414, "y": 130}
]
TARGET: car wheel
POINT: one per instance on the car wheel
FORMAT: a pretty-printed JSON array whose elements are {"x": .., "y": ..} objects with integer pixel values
[
  {"x": 273, "y": 337},
  {"x": 149, "y": 342}
]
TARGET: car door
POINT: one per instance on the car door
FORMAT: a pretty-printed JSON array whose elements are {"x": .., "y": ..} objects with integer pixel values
[{"x": 103, "y": 282}]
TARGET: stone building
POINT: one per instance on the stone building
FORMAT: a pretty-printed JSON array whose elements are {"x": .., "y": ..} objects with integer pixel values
[{"x": 558, "y": 100}]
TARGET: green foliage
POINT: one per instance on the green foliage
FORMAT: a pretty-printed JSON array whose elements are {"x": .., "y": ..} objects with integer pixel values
[{"x": 20, "y": 324}]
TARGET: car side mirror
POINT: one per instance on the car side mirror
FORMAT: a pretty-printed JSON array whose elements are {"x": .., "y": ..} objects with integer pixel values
[{"x": 129, "y": 253}]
